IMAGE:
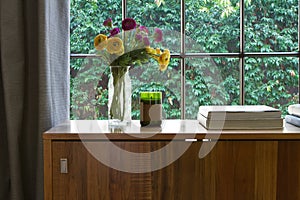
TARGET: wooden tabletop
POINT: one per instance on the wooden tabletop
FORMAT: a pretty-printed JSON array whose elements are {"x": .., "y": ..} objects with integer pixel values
[{"x": 170, "y": 129}]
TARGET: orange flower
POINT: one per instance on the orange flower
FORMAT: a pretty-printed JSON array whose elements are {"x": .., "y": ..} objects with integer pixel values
[
  {"x": 164, "y": 60},
  {"x": 100, "y": 42}
]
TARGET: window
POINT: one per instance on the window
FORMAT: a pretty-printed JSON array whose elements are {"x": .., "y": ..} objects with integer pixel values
[{"x": 223, "y": 52}]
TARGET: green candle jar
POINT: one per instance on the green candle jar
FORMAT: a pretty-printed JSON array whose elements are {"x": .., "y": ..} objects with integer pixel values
[{"x": 150, "y": 108}]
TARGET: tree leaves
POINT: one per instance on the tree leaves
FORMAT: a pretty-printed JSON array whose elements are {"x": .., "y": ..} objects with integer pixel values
[{"x": 213, "y": 27}]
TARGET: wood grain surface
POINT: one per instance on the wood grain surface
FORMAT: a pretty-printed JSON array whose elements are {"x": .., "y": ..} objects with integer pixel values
[
  {"x": 242, "y": 165},
  {"x": 245, "y": 170}
]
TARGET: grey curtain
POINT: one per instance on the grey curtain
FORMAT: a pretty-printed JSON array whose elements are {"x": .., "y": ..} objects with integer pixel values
[{"x": 34, "y": 89}]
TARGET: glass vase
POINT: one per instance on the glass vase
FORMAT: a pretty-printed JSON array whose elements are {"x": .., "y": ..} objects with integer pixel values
[{"x": 119, "y": 96}]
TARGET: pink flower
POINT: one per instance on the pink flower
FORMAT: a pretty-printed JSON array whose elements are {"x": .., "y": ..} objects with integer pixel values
[
  {"x": 139, "y": 37},
  {"x": 128, "y": 24},
  {"x": 114, "y": 31},
  {"x": 144, "y": 29},
  {"x": 108, "y": 22},
  {"x": 146, "y": 41},
  {"x": 158, "y": 35}
]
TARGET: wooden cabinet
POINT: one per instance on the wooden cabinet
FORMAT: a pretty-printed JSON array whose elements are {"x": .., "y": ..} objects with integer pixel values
[{"x": 241, "y": 165}]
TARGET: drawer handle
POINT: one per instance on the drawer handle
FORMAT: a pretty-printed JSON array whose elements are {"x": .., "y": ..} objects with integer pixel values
[
  {"x": 190, "y": 140},
  {"x": 206, "y": 140},
  {"x": 195, "y": 140},
  {"x": 63, "y": 165}
]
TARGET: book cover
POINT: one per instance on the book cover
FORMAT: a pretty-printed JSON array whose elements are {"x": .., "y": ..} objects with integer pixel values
[
  {"x": 239, "y": 112},
  {"x": 267, "y": 123},
  {"x": 294, "y": 109},
  {"x": 292, "y": 119}
]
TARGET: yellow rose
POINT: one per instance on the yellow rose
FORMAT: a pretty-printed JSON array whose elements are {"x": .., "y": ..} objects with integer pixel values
[
  {"x": 164, "y": 60},
  {"x": 115, "y": 46},
  {"x": 121, "y": 52},
  {"x": 100, "y": 42}
]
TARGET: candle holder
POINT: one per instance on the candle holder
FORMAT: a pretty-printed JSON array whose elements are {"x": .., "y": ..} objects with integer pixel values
[{"x": 150, "y": 108}]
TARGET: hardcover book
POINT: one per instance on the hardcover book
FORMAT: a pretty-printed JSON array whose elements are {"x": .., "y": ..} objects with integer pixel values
[
  {"x": 239, "y": 112},
  {"x": 266, "y": 123},
  {"x": 294, "y": 109},
  {"x": 292, "y": 119}
]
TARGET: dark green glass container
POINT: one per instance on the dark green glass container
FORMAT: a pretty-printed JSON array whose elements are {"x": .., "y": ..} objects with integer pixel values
[{"x": 150, "y": 108}]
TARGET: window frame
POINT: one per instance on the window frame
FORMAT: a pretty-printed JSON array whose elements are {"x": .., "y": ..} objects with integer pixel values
[{"x": 241, "y": 55}]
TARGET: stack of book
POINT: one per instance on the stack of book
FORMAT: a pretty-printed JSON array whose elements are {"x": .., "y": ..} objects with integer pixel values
[
  {"x": 240, "y": 117},
  {"x": 294, "y": 115}
]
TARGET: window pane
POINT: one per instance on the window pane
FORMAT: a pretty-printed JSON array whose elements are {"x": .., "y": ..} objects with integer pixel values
[
  {"x": 165, "y": 17},
  {"x": 149, "y": 78},
  {"x": 211, "y": 82},
  {"x": 89, "y": 94},
  {"x": 271, "y": 26},
  {"x": 86, "y": 18},
  {"x": 213, "y": 26},
  {"x": 88, "y": 89},
  {"x": 271, "y": 81}
]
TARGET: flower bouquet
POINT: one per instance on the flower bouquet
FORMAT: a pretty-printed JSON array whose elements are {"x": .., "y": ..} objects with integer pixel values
[{"x": 120, "y": 50}]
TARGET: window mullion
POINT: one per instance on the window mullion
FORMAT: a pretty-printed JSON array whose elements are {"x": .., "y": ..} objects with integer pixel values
[
  {"x": 124, "y": 9},
  {"x": 182, "y": 53},
  {"x": 298, "y": 49},
  {"x": 242, "y": 52}
]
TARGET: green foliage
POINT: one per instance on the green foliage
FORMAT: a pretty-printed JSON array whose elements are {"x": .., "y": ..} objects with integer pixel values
[
  {"x": 137, "y": 56},
  {"x": 271, "y": 81},
  {"x": 86, "y": 18},
  {"x": 212, "y": 26}
]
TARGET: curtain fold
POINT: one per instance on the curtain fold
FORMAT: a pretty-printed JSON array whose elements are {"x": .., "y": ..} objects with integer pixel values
[
  {"x": 4, "y": 167},
  {"x": 34, "y": 89}
]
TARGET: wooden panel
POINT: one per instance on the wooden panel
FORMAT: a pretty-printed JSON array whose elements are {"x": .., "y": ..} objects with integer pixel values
[
  {"x": 47, "y": 170},
  {"x": 232, "y": 170},
  {"x": 73, "y": 184},
  {"x": 266, "y": 170},
  {"x": 288, "y": 170},
  {"x": 90, "y": 179},
  {"x": 244, "y": 164}
]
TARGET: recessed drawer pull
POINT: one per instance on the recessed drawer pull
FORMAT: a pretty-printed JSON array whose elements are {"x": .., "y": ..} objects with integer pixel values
[
  {"x": 63, "y": 165},
  {"x": 195, "y": 140},
  {"x": 190, "y": 140},
  {"x": 206, "y": 140}
]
